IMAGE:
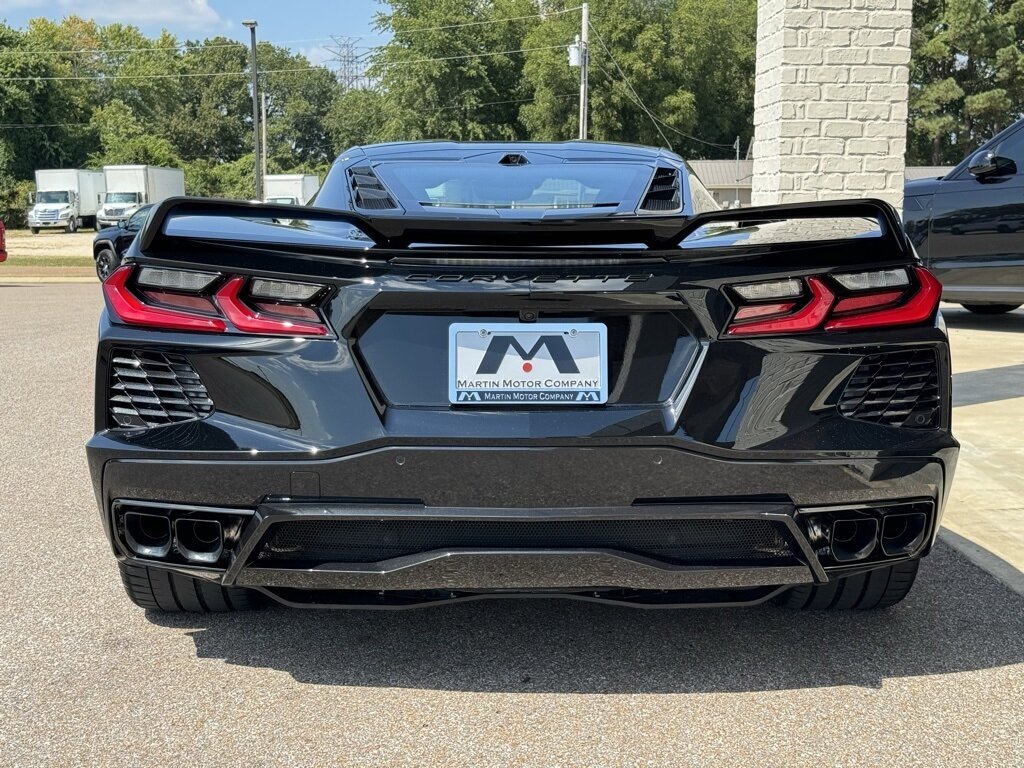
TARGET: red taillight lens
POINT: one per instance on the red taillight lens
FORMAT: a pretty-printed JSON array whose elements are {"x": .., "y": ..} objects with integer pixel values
[
  {"x": 249, "y": 320},
  {"x": 918, "y": 308},
  {"x": 130, "y": 309},
  {"x": 190, "y": 307},
  {"x": 807, "y": 318},
  {"x": 871, "y": 302}
]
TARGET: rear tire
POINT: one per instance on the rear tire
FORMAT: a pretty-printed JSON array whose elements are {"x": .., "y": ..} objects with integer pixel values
[
  {"x": 867, "y": 591},
  {"x": 990, "y": 309},
  {"x": 158, "y": 590}
]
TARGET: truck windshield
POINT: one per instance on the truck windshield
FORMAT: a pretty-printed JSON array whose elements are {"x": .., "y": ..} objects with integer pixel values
[
  {"x": 544, "y": 185},
  {"x": 121, "y": 197},
  {"x": 52, "y": 197}
]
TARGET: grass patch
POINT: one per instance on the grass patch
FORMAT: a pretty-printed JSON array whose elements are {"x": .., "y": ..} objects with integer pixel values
[{"x": 47, "y": 261}]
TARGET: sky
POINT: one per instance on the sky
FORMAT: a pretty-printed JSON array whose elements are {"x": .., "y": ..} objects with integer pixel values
[{"x": 302, "y": 25}]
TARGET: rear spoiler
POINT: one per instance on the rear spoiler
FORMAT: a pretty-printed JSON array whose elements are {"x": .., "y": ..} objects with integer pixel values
[{"x": 240, "y": 223}]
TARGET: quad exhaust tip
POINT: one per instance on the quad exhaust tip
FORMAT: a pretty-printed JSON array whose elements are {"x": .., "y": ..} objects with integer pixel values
[
  {"x": 853, "y": 538},
  {"x": 199, "y": 541},
  {"x": 147, "y": 535},
  {"x": 903, "y": 534}
]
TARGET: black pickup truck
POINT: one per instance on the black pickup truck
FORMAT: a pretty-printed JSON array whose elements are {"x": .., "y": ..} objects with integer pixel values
[{"x": 968, "y": 226}]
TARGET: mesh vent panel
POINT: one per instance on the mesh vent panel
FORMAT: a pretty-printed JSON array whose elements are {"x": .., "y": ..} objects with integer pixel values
[
  {"x": 298, "y": 542},
  {"x": 897, "y": 389},
  {"x": 150, "y": 389}
]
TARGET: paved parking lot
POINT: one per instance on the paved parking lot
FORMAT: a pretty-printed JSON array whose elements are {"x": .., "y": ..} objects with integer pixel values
[{"x": 86, "y": 678}]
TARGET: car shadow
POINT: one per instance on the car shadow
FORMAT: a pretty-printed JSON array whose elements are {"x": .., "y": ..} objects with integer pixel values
[
  {"x": 957, "y": 618},
  {"x": 958, "y": 317},
  {"x": 988, "y": 385}
]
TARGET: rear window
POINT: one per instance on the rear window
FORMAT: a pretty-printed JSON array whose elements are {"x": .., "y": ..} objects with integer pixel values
[{"x": 547, "y": 185}]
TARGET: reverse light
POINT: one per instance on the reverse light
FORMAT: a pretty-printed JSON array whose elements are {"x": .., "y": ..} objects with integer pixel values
[
  {"x": 175, "y": 279},
  {"x": 283, "y": 290},
  {"x": 874, "y": 281},
  {"x": 774, "y": 289}
]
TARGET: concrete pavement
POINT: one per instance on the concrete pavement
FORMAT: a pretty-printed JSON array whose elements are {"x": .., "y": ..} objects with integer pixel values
[{"x": 88, "y": 679}]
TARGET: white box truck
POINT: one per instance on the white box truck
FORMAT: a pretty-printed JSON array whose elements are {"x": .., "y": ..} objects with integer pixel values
[
  {"x": 290, "y": 188},
  {"x": 131, "y": 186},
  {"x": 65, "y": 198}
]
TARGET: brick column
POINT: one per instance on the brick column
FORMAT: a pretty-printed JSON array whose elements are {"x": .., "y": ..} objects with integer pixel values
[{"x": 830, "y": 101}]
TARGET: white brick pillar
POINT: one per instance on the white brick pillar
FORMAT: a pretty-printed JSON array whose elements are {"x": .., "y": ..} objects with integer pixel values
[{"x": 830, "y": 100}]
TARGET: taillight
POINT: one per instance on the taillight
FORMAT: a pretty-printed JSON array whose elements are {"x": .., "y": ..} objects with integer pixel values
[
  {"x": 836, "y": 302},
  {"x": 187, "y": 300}
]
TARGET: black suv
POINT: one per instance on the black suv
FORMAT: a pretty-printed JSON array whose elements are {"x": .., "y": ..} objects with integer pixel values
[
  {"x": 110, "y": 243},
  {"x": 968, "y": 226}
]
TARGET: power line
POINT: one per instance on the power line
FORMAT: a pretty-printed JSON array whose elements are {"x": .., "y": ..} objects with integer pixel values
[
  {"x": 201, "y": 46},
  {"x": 655, "y": 120},
  {"x": 4, "y": 126},
  {"x": 629, "y": 85},
  {"x": 385, "y": 64}
]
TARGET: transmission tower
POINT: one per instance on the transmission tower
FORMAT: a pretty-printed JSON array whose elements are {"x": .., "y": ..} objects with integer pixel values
[{"x": 350, "y": 69}]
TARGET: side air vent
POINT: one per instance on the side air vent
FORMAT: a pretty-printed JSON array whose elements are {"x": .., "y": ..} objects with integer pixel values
[
  {"x": 367, "y": 191},
  {"x": 663, "y": 194},
  {"x": 151, "y": 389},
  {"x": 896, "y": 389}
]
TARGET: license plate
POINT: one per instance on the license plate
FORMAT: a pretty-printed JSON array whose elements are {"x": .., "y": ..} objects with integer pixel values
[{"x": 528, "y": 363}]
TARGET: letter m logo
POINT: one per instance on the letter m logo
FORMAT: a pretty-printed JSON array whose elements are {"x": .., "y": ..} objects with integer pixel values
[{"x": 499, "y": 348}]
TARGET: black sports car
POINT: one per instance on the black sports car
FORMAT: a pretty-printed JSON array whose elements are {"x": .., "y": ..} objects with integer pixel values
[{"x": 520, "y": 369}]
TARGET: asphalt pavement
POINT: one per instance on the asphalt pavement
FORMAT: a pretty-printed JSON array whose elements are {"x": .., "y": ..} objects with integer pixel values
[{"x": 86, "y": 678}]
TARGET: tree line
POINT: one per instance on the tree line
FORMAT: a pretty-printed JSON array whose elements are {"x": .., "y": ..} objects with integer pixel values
[{"x": 677, "y": 73}]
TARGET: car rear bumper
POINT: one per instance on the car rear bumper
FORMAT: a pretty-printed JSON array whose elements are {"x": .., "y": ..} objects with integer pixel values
[{"x": 395, "y": 495}]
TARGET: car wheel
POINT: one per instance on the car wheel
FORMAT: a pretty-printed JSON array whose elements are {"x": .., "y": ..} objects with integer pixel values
[
  {"x": 990, "y": 309},
  {"x": 72, "y": 226},
  {"x": 34, "y": 230},
  {"x": 868, "y": 591},
  {"x": 158, "y": 590},
  {"x": 106, "y": 262}
]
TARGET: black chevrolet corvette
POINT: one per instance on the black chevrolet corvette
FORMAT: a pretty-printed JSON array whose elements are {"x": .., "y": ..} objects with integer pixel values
[{"x": 480, "y": 370}]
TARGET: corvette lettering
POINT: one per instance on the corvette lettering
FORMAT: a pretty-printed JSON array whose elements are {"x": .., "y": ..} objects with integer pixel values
[{"x": 515, "y": 278}]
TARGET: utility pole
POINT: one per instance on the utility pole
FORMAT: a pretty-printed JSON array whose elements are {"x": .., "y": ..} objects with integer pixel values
[
  {"x": 584, "y": 67},
  {"x": 736, "y": 200},
  {"x": 579, "y": 56},
  {"x": 263, "y": 143},
  {"x": 251, "y": 24}
]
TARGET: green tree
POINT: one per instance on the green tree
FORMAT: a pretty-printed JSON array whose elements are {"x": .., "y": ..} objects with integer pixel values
[{"x": 966, "y": 75}]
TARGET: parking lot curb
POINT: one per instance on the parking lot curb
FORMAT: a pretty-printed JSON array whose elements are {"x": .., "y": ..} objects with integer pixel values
[
  {"x": 30, "y": 279},
  {"x": 988, "y": 562}
]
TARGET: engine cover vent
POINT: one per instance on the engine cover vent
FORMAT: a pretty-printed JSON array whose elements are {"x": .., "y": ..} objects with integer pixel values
[
  {"x": 663, "y": 195},
  {"x": 367, "y": 190}
]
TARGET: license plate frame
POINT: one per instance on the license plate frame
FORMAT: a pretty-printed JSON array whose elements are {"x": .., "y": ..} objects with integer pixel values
[{"x": 538, "y": 364}]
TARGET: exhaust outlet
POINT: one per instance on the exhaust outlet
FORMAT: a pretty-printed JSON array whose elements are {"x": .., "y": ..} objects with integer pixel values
[
  {"x": 199, "y": 541},
  {"x": 147, "y": 535},
  {"x": 853, "y": 539},
  {"x": 903, "y": 534}
]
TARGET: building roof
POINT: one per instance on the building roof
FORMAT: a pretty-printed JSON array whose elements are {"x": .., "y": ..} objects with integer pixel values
[
  {"x": 723, "y": 173},
  {"x": 926, "y": 172},
  {"x": 716, "y": 174}
]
